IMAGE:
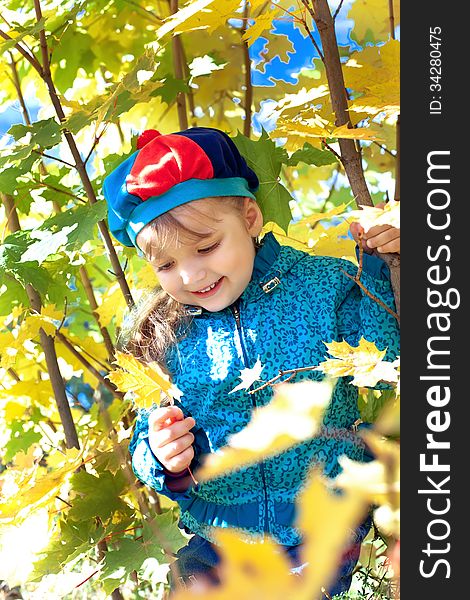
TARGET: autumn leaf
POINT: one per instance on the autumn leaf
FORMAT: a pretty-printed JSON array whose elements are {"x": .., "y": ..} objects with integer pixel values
[
  {"x": 294, "y": 414},
  {"x": 326, "y": 520},
  {"x": 377, "y": 481},
  {"x": 363, "y": 362},
  {"x": 370, "y": 216},
  {"x": 37, "y": 493},
  {"x": 146, "y": 382}
]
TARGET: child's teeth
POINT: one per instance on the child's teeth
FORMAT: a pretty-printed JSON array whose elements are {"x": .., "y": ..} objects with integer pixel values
[{"x": 208, "y": 288}]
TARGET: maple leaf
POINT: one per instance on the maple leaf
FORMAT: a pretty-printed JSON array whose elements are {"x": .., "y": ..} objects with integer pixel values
[
  {"x": 294, "y": 414},
  {"x": 326, "y": 520},
  {"x": 33, "y": 494},
  {"x": 249, "y": 376},
  {"x": 377, "y": 481},
  {"x": 161, "y": 539},
  {"x": 370, "y": 216},
  {"x": 146, "y": 382},
  {"x": 363, "y": 362},
  {"x": 112, "y": 305},
  {"x": 261, "y": 23}
]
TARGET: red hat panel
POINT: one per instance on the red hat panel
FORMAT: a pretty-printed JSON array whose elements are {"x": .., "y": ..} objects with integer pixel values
[{"x": 164, "y": 162}]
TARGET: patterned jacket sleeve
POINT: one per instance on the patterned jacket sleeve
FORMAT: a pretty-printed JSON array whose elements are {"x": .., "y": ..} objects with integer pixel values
[
  {"x": 145, "y": 464},
  {"x": 360, "y": 315}
]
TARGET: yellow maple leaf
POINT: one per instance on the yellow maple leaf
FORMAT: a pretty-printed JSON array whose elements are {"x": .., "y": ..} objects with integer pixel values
[
  {"x": 112, "y": 305},
  {"x": 373, "y": 15},
  {"x": 356, "y": 133},
  {"x": 294, "y": 414},
  {"x": 363, "y": 362},
  {"x": 377, "y": 481},
  {"x": 48, "y": 320},
  {"x": 334, "y": 241},
  {"x": 31, "y": 392},
  {"x": 31, "y": 493},
  {"x": 260, "y": 25},
  {"x": 370, "y": 216},
  {"x": 279, "y": 46},
  {"x": 374, "y": 73},
  {"x": 146, "y": 382},
  {"x": 250, "y": 570},
  {"x": 327, "y": 521}
]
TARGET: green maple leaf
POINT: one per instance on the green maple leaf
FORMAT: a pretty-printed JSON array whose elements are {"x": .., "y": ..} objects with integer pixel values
[
  {"x": 13, "y": 295},
  {"x": 73, "y": 540},
  {"x": 135, "y": 555},
  {"x": 20, "y": 439},
  {"x": 98, "y": 496},
  {"x": 48, "y": 243},
  {"x": 170, "y": 89},
  {"x": 311, "y": 156},
  {"x": 266, "y": 159},
  {"x": 86, "y": 217},
  {"x": 11, "y": 251},
  {"x": 45, "y": 133}
]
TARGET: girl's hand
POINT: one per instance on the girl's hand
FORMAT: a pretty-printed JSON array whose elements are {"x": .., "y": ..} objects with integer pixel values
[
  {"x": 383, "y": 238},
  {"x": 170, "y": 439}
]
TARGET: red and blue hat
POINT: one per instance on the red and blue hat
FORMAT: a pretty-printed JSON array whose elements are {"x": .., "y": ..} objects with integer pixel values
[{"x": 169, "y": 170}]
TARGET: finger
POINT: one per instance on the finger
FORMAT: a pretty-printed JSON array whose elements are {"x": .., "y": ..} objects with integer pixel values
[
  {"x": 173, "y": 432},
  {"x": 392, "y": 246},
  {"x": 386, "y": 237},
  {"x": 162, "y": 417},
  {"x": 176, "y": 447},
  {"x": 376, "y": 230},
  {"x": 181, "y": 461}
]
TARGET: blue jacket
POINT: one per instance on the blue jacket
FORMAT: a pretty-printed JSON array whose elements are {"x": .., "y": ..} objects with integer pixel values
[{"x": 307, "y": 301}]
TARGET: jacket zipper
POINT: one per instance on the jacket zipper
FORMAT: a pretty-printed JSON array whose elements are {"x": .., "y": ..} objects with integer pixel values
[{"x": 236, "y": 313}]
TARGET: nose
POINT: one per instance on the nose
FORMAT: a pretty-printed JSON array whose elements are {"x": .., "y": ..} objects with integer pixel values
[{"x": 192, "y": 273}]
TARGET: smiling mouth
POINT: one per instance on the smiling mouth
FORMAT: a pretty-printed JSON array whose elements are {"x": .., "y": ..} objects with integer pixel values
[{"x": 209, "y": 289}]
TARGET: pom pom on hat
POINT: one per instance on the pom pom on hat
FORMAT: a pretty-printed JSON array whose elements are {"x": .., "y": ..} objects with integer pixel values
[
  {"x": 169, "y": 170},
  {"x": 146, "y": 136}
]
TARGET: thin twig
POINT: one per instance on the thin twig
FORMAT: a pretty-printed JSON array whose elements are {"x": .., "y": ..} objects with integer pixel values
[
  {"x": 64, "y": 162},
  {"x": 384, "y": 148},
  {"x": 328, "y": 147},
  {"x": 337, "y": 10},
  {"x": 95, "y": 143},
  {"x": 58, "y": 190},
  {"x": 307, "y": 29},
  {"x": 368, "y": 293},
  {"x": 29, "y": 57},
  {"x": 291, "y": 372},
  {"x": 391, "y": 18},
  {"x": 247, "y": 63}
]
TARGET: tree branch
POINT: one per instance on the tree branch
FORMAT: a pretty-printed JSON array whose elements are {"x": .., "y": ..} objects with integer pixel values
[
  {"x": 47, "y": 344},
  {"x": 178, "y": 70},
  {"x": 247, "y": 62},
  {"x": 29, "y": 57},
  {"x": 350, "y": 157},
  {"x": 79, "y": 164},
  {"x": 69, "y": 345}
]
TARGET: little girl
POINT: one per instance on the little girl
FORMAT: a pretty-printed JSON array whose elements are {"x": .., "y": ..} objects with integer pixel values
[{"x": 186, "y": 201}]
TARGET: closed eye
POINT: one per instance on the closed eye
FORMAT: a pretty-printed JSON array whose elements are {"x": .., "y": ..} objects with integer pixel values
[
  {"x": 164, "y": 267},
  {"x": 208, "y": 249}
]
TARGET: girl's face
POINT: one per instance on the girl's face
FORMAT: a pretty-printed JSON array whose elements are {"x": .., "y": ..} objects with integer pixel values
[{"x": 212, "y": 270}]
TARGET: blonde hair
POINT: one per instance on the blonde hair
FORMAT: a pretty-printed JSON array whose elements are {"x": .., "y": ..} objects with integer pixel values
[{"x": 158, "y": 321}]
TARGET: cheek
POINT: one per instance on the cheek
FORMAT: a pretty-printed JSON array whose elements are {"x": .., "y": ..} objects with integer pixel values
[{"x": 167, "y": 283}]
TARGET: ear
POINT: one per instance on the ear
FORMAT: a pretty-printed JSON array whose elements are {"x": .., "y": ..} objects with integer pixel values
[{"x": 253, "y": 217}]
